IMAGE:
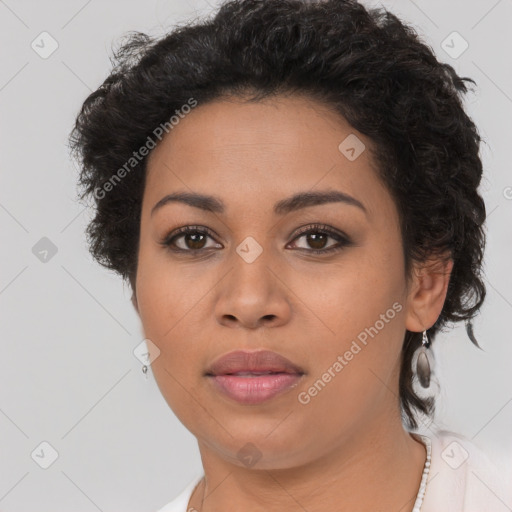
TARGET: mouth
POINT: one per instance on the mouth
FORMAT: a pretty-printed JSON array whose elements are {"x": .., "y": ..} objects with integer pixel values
[
  {"x": 254, "y": 388},
  {"x": 252, "y": 374},
  {"x": 253, "y": 377}
]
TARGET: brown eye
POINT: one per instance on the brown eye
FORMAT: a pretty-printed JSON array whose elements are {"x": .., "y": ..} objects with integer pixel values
[
  {"x": 316, "y": 237},
  {"x": 317, "y": 240},
  {"x": 194, "y": 240},
  {"x": 190, "y": 238}
]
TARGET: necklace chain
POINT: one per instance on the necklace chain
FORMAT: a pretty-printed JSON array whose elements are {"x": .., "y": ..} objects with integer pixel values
[{"x": 424, "y": 476}]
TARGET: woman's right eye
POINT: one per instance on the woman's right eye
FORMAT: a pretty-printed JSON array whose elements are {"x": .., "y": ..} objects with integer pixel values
[{"x": 192, "y": 239}]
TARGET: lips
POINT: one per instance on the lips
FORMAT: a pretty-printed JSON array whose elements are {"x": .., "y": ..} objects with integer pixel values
[
  {"x": 252, "y": 378},
  {"x": 244, "y": 363}
]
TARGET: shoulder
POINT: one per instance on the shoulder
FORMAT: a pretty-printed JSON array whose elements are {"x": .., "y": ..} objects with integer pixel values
[
  {"x": 463, "y": 476},
  {"x": 180, "y": 502}
]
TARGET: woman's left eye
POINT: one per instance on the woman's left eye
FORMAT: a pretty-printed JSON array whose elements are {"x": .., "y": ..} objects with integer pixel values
[
  {"x": 193, "y": 239},
  {"x": 317, "y": 236}
]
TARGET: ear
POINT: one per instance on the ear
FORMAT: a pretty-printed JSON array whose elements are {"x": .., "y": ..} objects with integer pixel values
[{"x": 427, "y": 293}]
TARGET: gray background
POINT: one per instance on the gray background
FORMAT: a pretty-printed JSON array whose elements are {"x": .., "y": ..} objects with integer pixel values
[{"x": 68, "y": 375}]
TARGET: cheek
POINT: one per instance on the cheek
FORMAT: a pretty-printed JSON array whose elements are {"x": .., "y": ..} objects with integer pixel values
[
  {"x": 163, "y": 290},
  {"x": 163, "y": 302},
  {"x": 360, "y": 311},
  {"x": 166, "y": 307},
  {"x": 352, "y": 295}
]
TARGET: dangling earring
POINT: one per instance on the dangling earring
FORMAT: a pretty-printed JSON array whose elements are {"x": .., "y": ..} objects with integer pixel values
[
  {"x": 145, "y": 371},
  {"x": 422, "y": 363}
]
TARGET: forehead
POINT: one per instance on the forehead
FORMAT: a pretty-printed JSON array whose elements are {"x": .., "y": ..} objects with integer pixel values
[{"x": 253, "y": 152}]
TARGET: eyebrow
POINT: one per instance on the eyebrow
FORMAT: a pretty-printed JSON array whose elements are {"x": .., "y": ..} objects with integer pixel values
[{"x": 296, "y": 202}]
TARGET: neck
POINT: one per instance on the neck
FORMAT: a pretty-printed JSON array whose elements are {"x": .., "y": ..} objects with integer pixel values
[{"x": 378, "y": 469}]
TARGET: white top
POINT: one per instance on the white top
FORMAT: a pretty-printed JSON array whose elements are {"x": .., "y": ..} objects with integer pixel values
[{"x": 461, "y": 479}]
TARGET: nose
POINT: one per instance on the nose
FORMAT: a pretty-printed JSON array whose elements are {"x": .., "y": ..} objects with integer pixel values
[{"x": 253, "y": 295}]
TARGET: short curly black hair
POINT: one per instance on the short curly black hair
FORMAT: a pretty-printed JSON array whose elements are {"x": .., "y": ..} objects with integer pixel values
[{"x": 366, "y": 64}]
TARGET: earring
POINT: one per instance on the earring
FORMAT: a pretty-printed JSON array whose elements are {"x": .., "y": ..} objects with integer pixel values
[
  {"x": 145, "y": 371},
  {"x": 422, "y": 363}
]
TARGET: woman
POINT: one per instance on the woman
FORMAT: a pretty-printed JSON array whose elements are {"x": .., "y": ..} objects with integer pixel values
[{"x": 290, "y": 189}]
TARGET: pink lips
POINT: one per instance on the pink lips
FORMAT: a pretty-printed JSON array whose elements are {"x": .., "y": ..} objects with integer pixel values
[{"x": 253, "y": 377}]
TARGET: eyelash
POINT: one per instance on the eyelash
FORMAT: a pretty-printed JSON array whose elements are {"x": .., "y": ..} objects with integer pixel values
[{"x": 343, "y": 240}]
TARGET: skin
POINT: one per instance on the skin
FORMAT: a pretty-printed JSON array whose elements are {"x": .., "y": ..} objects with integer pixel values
[{"x": 346, "y": 449}]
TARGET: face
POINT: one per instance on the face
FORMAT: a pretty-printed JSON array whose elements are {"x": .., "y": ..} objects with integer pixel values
[{"x": 320, "y": 283}]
